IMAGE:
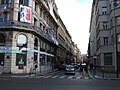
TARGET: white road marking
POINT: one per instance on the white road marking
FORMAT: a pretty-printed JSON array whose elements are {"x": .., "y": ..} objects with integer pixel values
[
  {"x": 77, "y": 77},
  {"x": 70, "y": 77},
  {"x": 47, "y": 76},
  {"x": 62, "y": 76},
  {"x": 54, "y": 76}
]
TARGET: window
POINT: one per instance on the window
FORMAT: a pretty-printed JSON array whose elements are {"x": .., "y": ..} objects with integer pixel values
[
  {"x": 22, "y": 40},
  {"x": 36, "y": 44},
  {"x": 118, "y": 38},
  {"x": 117, "y": 20},
  {"x": 104, "y": 10},
  {"x": 2, "y": 59},
  {"x": 21, "y": 57},
  {"x": 108, "y": 59},
  {"x": 3, "y": 17},
  {"x": 117, "y": 3},
  {"x": 35, "y": 21},
  {"x": 36, "y": 6},
  {"x": 42, "y": 59},
  {"x": 105, "y": 40},
  {"x": 4, "y": 1},
  {"x": 24, "y": 2},
  {"x": 104, "y": 25}
]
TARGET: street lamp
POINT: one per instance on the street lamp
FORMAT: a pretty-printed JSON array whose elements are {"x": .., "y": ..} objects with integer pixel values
[{"x": 116, "y": 47}]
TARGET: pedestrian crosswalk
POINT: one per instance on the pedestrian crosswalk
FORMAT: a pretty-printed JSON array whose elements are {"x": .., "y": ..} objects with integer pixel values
[{"x": 59, "y": 77}]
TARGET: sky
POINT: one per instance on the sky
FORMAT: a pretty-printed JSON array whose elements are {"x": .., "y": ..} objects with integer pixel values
[{"x": 76, "y": 16}]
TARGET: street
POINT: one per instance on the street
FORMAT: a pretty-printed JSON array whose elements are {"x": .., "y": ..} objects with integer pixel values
[{"x": 57, "y": 81}]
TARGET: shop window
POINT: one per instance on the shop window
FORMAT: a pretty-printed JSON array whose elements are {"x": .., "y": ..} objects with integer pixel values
[
  {"x": 1, "y": 59},
  {"x": 21, "y": 57},
  {"x": 35, "y": 57},
  {"x": 108, "y": 59},
  {"x": 2, "y": 43},
  {"x": 48, "y": 60},
  {"x": 42, "y": 59}
]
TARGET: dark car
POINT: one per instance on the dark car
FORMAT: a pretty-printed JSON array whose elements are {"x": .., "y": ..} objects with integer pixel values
[
  {"x": 70, "y": 69},
  {"x": 75, "y": 65},
  {"x": 83, "y": 66}
]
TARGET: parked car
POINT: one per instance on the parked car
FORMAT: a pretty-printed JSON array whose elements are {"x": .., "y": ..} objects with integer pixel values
[{"x": 70, "y": 69}]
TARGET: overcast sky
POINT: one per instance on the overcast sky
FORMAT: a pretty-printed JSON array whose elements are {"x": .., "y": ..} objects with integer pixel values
[{"x": 76, "y": 17}]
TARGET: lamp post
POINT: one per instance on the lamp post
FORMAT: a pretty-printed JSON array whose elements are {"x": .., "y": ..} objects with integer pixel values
[{"x": 116, "y": 47}]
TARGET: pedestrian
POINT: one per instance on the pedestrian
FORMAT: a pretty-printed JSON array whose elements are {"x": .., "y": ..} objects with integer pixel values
[{"x": 91, "y": 66}]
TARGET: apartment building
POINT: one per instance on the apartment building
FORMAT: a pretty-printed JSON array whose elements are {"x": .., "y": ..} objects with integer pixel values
[
  {"x": 28, "y": 33},
  {"x": 105, "y": 34},
  {"x": 32, "y": 33}
]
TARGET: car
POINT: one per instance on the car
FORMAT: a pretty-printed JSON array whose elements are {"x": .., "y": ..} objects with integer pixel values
[
  {"x": 75, "y": 65},
  {"x": 70, "y": 69},
  {"x": 83, "y": 66}
]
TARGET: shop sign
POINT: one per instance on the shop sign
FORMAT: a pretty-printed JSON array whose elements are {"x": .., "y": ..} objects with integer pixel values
[{"x": 5, "y": 49}]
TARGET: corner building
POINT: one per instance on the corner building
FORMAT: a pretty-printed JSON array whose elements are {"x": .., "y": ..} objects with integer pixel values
[
  {"x": 105, "y": 34},
  {"x": 28, "y": 32}
]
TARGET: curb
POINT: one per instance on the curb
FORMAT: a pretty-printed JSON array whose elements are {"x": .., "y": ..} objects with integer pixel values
[
  {"x": 27, "y": 75},
  {"x": 102, "y": 78}
]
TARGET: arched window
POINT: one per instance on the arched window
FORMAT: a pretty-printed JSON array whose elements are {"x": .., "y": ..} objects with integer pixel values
[
  {"x": 21, "y": 40},
  {"x": 21, "y": 57}
]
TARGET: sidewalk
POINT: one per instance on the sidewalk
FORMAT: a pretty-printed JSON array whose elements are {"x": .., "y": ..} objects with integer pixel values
[
  {"x": 103, "y": 75},
  {"x": 27, "y": 75}
]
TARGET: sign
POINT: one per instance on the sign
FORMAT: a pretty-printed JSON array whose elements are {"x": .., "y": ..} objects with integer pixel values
[
  {"x": 5, "y": 49},
  {"x": 25, "y": 14}
]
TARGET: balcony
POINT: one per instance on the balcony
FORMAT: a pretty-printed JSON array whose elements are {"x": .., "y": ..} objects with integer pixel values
[{"x": 25, "y": 26}]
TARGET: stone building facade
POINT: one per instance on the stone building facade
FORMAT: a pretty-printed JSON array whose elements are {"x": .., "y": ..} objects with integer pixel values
[
  {"x": 105, "y": 34},
  {"x": 29, "y": 36}
]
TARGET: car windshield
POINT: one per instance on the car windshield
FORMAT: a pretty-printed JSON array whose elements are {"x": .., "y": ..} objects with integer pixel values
[{"x": 69, "y": 67}]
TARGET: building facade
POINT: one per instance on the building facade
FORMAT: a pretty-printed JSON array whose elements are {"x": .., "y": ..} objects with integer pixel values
[
  {"x": 105, "y": 34},
  {"x": 29, "y": 36}
]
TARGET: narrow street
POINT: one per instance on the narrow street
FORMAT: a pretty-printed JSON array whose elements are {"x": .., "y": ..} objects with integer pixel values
[{"x": 56, "y": 81}]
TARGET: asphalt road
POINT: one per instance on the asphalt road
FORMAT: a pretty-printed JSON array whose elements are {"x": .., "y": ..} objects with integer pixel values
[{"x": 57, "y": 83}]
